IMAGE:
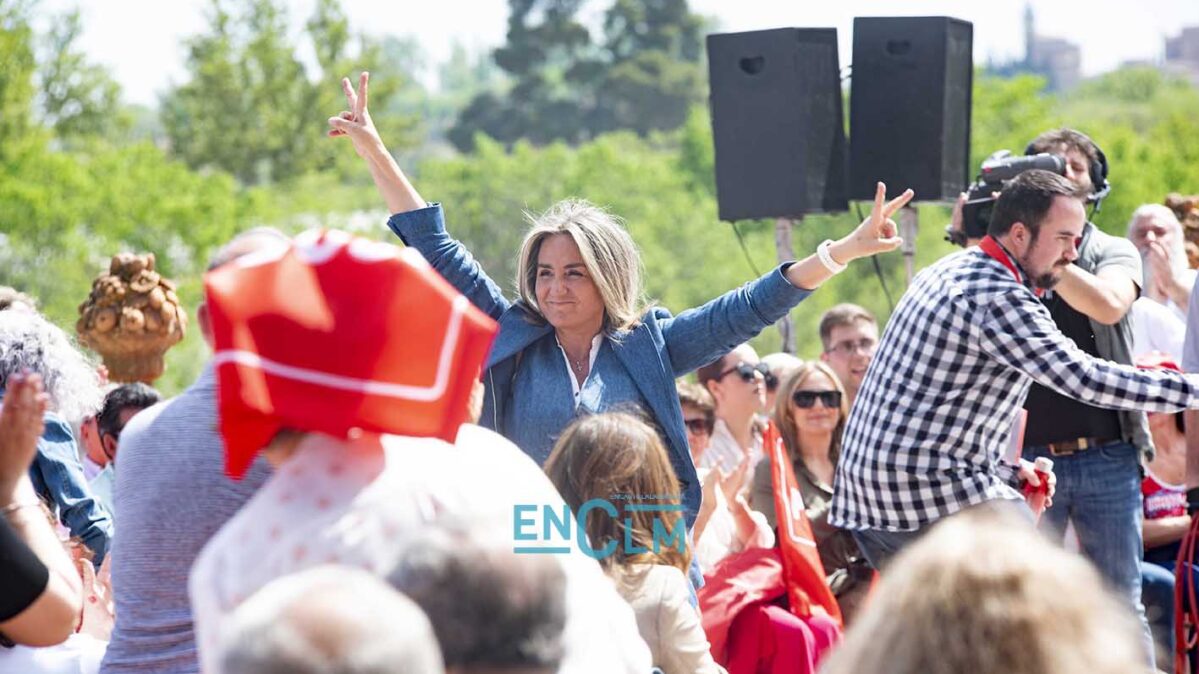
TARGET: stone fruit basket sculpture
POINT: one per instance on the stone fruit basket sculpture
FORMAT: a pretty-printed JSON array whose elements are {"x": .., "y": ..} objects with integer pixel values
[{"x": 131, "y": 318}]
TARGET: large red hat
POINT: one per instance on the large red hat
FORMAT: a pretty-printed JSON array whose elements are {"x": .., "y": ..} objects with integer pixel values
[{"x": 334, "y": 333}]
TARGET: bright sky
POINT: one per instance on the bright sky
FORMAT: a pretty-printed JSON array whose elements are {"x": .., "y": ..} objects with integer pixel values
[{"x": 142, "y": 40}]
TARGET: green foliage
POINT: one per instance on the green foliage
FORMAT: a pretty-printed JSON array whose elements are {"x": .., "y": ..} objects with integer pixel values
[
  {"x": 250, "y": 107},
  {"x": 463, "y": 76},
  {"x": 643, "y": 76},
  {"x": 17, "y": 66},
  {"x": 78, "y": 99}
]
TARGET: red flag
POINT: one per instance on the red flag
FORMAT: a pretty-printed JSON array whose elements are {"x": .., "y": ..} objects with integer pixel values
[
  {"x": 335, "y": 333},
  {"x": 807, "y": 590}
]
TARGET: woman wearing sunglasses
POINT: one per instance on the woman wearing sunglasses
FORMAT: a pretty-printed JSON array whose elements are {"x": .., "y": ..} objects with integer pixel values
[
  {"x": 580, "y": 337},
  {"x": 810, "y": 411}
]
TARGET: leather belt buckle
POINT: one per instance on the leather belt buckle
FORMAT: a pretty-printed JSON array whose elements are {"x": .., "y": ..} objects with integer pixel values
[
  {"x": 1068, "y": 447},
  {"x": 1075, "y": 445},
  {"x": 1062, "y": 448}
]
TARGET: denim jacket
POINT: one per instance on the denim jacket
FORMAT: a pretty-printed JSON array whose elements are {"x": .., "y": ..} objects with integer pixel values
[
  {"x": 57, "y": 476},
  {"x": 655, "y": 352}
]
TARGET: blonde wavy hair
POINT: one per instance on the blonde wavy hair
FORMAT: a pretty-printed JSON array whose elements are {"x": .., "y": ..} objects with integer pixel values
[
  {"x": 608, "y": 252},
  {"x": 785, "y": 417}
]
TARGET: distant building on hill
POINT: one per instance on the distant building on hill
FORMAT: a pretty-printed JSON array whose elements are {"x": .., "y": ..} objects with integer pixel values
[
  {"x": 1182, "y": 54},
  {"x": 1058, "y": 60}
]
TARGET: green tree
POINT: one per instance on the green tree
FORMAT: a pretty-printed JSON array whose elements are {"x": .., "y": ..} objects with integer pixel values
[
  {"x": 250, "y": 107},
  {"x": 78, "y": 98},
  {"x": 654, "y": 73},
  {"x": 240, "y": 111},
  {"x": 17, "y": 68},
  {"x": 644, "y": 74},
  {"x": 462, "y": 77}
]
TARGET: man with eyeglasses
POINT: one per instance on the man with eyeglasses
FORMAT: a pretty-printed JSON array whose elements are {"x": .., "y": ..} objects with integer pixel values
[
  {"x": 849, "y": 335},
  {"x": 737, "y": 382}
]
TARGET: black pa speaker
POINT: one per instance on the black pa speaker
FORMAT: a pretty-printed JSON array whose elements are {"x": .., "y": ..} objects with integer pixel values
[
  {"x": 777, "y": 123},
  {"x": 909, "y": 110}
]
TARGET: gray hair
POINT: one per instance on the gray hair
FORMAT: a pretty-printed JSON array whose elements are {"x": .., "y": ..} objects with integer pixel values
[
  {"x": 11, "y": 298},
  {"x": 608, "y": 252},
  {"x": 329, "y": 620},
  {"x": 1146, "y": 211},
  {"x": 29, "y": 342},
  {"x": 1178, "y": 253}
]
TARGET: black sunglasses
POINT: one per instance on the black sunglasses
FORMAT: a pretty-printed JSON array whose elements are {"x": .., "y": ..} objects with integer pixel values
[
  {"x": 700, "y": 425},
  {"x": 747, "y": 372},
  {"x": 807, "y": 399}
]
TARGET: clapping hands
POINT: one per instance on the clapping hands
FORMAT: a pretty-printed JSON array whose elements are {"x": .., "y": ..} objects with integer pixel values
[{"x": 20, "y": 427}]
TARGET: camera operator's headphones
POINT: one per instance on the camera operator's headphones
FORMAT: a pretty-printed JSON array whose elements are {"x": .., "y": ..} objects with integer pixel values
[{"x": 1097, "y": 169}]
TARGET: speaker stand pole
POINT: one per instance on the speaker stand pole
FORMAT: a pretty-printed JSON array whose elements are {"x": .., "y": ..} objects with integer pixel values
[
  {"x": 782, "y": 244},
  {"x": 909, "y": 225}
]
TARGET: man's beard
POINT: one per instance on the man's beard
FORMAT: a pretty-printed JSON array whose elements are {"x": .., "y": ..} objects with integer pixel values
[{"x": 1046, "y": 281}]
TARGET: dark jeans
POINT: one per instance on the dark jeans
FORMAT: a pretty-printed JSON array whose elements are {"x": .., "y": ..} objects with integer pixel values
[
  {"x": 1099, "y": 490},
  {"x": 880, "y": 546}
]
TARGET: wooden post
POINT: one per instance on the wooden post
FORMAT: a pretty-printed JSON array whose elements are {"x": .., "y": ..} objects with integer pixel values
[
  {"x": 782, "y": 244},
  {"x": 909, "y": 226}
]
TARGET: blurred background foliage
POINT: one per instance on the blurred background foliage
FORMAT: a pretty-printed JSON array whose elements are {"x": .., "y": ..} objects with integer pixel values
[{"x": 615, "y": 114}]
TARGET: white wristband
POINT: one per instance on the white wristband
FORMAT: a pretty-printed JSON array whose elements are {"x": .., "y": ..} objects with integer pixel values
[{"x": 826, "y": 258}]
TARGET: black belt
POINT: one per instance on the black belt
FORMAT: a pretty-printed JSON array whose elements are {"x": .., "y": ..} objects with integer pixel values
[{"x": 1075, "y": 445}]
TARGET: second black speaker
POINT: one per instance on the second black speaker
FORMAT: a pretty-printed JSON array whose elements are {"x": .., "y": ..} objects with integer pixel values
[{"x": 909, "y": 110}]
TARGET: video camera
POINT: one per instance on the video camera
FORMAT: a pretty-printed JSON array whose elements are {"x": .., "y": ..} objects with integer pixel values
[{"x": 995, "y": 171}]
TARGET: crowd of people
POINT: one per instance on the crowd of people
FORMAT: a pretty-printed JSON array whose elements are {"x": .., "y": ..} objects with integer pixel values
[{"x": 388, "y": 465}]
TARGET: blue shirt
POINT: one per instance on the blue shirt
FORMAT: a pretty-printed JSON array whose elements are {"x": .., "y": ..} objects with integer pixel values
[
  {"x": 57, "y": 476},
  {"x": 536, "y": 420}
]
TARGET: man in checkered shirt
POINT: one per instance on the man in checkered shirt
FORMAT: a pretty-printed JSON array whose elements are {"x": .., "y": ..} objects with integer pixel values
[{"x": 934, "y": 414}]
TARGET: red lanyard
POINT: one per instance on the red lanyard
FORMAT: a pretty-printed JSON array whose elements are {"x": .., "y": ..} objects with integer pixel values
[{"x": 991, "y": 247}]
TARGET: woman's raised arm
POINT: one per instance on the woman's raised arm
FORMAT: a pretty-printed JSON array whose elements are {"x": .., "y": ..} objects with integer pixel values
[
  {"x": 356, "y": 123},
  {"x": 412, "y": 219}
]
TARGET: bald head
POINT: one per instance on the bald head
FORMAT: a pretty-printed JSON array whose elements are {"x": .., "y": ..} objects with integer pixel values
[
  {"x": 329, "y": 619},
  {"x": 249, "y": 241}
]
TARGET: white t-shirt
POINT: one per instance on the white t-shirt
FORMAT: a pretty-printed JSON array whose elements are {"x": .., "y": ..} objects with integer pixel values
[
  {"x": 1156, "y": 327},
  {"x": 725, "y": 453},
  {"x": 353, "y": 502}
]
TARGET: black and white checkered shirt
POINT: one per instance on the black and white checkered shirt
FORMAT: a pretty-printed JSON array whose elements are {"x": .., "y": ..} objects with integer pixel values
[{"x": 935, "y": 411}]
